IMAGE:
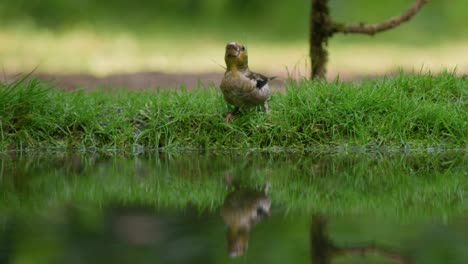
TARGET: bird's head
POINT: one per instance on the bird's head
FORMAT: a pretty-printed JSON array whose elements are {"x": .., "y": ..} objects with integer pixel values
[
  {"x": 237, "y": 241},
  {"x": 236, "y": 56}
]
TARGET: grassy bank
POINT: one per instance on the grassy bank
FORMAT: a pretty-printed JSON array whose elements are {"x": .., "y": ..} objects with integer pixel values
[{"x": 403, "y": 111}]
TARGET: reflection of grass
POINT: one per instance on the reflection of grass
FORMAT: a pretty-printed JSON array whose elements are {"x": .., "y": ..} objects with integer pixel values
[
  {"x": 84, "y": 51},
  {"x": 404, "y": 110},
  {"x": 336, "y": 183}
]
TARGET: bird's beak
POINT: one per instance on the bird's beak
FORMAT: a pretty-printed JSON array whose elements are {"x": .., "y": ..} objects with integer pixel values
[{"x": 232, "y": 49}]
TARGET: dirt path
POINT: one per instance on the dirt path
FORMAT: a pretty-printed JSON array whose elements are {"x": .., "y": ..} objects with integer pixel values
[
  {"x": 135, "y": 81},
  {"x": 153, "y": 80}
]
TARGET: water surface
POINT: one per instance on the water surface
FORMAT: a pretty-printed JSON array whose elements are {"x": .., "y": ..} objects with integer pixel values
[{"x": 246, "y": 207}]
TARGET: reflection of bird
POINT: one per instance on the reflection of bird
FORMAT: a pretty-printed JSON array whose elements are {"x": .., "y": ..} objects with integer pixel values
[
  {"x": 240, "y": 86},
  {"x": 242, "y": 209}
]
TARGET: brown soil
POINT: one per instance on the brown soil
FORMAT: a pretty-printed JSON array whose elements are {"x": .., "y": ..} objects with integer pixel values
[
  {"x": 135, "y": 81},
  {"x": 153, "y": 80}
]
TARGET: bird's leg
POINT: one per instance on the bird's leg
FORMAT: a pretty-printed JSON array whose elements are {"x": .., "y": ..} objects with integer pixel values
[
  {"x": 229, "y": 117},
  {"x": 266, "y": 108},
  {"x": 231, "y": 114}
]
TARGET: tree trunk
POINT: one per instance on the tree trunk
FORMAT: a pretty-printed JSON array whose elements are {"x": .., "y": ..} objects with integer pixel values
[
  {"x": 322, "y": 27},
  {"x": 320, "y": 31}
]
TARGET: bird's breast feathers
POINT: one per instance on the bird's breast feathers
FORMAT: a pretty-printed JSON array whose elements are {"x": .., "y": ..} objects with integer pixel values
[{"x": 245, "y": 88}]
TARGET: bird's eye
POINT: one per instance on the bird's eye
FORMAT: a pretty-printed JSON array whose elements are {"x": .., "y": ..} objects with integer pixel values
[{"x": 243, "y": 48}]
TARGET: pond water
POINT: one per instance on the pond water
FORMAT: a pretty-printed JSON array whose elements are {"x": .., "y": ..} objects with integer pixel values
[{"x": 224, "y": 207}]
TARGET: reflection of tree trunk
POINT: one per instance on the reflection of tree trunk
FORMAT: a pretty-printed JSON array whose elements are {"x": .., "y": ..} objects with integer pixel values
[
  {"x": 7, "y": 239},
  {"x": 374, "y": 249},
  {"x": 321, "y": 247},
  {"x": 323, "y": 250}
]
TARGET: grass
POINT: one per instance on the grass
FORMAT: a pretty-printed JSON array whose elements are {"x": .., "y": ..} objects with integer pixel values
[{"x": 413, "y": 111}]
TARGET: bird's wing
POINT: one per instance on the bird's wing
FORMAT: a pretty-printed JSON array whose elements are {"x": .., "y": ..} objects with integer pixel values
[{"x": 260, "y": 80}]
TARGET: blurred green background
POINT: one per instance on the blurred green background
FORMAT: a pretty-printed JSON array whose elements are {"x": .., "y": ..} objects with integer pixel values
[
  {"x": 28, "y": 28},
  {"x": 274, "y": 19}
]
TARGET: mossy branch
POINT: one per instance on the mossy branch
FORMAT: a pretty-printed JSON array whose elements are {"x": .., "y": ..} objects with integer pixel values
[{"x": 371, "y": 29}]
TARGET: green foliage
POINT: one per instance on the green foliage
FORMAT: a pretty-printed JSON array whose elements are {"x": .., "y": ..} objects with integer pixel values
[
  {"x": 403, "y": 111},
  {"x": 276, "y": 19},
  {"x": 158, "y": 17}
]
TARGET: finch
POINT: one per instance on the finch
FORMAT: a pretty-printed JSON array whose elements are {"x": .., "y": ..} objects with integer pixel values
[{"x": 240, "y": 86}]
